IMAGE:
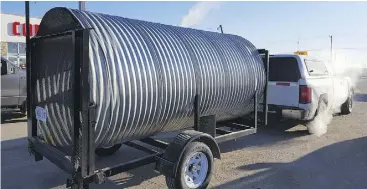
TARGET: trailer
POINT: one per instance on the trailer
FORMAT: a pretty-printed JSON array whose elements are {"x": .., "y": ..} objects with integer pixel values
[{"x": 186, "y": 162}]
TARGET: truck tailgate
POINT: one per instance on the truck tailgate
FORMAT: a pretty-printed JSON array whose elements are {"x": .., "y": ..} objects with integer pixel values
[
  {"x": 283, "y": 93},
  {"x": 283, "y": 85}
]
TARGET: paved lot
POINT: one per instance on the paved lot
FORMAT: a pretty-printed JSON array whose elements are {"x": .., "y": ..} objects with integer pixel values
[{"x": 279, "y": 156}]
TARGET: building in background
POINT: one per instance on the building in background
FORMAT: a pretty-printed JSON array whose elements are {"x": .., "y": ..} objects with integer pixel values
[{"x": 13, "y": 31}]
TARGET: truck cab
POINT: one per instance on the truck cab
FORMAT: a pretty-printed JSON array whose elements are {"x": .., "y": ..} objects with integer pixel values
[
  {"x": 13, "y": 86},
  {"x": 300, "y": 86}
]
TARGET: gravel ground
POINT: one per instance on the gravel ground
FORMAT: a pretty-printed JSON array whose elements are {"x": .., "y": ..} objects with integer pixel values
[{"x": 279, "y": 156}]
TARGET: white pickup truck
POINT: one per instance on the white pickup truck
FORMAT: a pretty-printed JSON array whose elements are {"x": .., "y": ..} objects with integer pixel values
[{"x": 300, "y": 86}]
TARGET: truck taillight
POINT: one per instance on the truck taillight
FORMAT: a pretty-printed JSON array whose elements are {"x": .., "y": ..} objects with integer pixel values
[{"x": 304, "y": 94}]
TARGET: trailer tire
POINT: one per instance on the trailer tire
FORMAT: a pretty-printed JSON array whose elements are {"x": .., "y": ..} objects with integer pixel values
[
  {"x": 107, "y": 151},
  {"x": 198, "y": 159}
]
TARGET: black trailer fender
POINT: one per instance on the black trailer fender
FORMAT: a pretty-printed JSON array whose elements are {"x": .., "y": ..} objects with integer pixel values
[{"x": 168, "y": 165}]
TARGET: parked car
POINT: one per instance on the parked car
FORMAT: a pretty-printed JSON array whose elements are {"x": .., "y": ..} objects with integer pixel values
[
  {"x": 13, "y": 86},
  {"x": 300, "y": 86}
]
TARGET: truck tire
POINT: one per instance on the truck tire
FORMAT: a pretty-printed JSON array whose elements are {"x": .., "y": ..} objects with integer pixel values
[
  {"x": 322, "y": 106},
  {"x": 347, "y": 106},
  {"x": 195, "y": 168},
  {"x": 107, "y": 151}
]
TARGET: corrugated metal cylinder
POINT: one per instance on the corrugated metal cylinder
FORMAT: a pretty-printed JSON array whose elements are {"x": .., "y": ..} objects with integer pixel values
[{"x": 144, "y": 76}]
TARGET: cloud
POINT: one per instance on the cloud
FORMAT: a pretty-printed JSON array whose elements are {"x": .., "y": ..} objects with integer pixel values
[{"x": 198, "y": 12}]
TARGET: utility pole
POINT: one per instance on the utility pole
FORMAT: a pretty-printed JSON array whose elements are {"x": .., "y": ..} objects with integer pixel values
[
  {"x": 331, "y": 47},
  {"x": 298, "y": 44},
  {"x": 220, "y": 28},
  {"x": 82, "y": 5}
]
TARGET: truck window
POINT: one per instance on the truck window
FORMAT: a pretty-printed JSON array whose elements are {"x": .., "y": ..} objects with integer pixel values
[
  {"x": 283, "y": 69},
  {"x": 316, "y": 67},
  {"x": 4, "y": 67}
]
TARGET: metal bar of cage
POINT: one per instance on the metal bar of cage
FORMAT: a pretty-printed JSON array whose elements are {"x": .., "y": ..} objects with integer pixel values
[
  {"x": 31, "y": 121},
  {"x": 234, "y": 135},
  {"x": 101, "y": 174},
  {"x": 156, "y": 143},
  {"x": 265, "y": 54},
  {"x": 255, "y": 110},
  {"x": 56, "y": 156}
]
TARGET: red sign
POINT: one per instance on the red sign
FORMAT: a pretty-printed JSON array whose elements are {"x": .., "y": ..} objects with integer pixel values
[
  {"x": 15, "y": 28},
  {"x": 16, "y": 31}
]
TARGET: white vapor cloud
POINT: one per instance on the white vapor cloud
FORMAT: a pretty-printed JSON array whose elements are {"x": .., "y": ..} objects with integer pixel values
[{"x": 198, "y": 12}]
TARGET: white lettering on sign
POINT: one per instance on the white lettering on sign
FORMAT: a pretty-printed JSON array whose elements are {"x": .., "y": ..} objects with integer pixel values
[{"x": 41, "y": 114}]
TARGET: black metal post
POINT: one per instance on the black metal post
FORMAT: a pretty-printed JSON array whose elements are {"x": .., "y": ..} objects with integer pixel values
[
  {"x": 197, "y": 112},
  {"x": 88, "y": 109},
  {"x": 83, "y": 160},
  {"x": 31, "y": 132},
  {"x": 265, "y": 97},
  {"x": 77, "y": 162},
  {"x": 255, "y": 110},
  {"x": 31, "y": 121},
  {"x": 91, "y": 145}
]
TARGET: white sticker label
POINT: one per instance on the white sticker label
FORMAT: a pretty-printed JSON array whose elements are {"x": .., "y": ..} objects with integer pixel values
[{"x": 41, "y": 114}]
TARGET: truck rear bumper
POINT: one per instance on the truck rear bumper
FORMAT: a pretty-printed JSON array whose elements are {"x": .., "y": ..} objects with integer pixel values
[
  {"x": 295, "y": 114},
  {"x": 292, "y": 112}
]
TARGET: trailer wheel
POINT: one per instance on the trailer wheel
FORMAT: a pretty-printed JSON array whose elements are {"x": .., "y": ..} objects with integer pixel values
[
  {"x": 107, "y": 151},
  {"x": 195, "y": 168}
]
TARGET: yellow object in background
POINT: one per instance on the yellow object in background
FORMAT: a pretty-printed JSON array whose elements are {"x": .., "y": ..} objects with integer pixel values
[{"x": 301, "y": 53}]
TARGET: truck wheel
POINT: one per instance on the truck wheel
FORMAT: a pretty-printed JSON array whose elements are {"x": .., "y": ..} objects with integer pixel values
[
  {"x": 195, "y": 168},
  {"x": 347, "y": 106},
  {"x": 107, "y": 151},
  {"x": 322, "y": 107}
]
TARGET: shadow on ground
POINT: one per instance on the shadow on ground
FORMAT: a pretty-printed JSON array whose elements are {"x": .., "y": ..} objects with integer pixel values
[
  {"x": 23, "y": 172},
  {"x": 338, "y": 166},
  {"x": 276, "y": 131},
  {"x": 360, "y": 97},
  {"x": 12, "y": 117}
]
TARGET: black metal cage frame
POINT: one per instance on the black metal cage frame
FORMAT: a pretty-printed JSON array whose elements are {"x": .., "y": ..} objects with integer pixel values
[{"x": 80, "y": 163}]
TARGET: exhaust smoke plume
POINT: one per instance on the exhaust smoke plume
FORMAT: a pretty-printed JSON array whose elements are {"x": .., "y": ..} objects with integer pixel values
[
  {"x": 197, "y": 13},
  {"x": 318, "y": 126}
]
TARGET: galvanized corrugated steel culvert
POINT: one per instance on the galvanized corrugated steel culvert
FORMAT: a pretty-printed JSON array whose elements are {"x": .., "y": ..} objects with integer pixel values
[{"x": 144, "y": 76}]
